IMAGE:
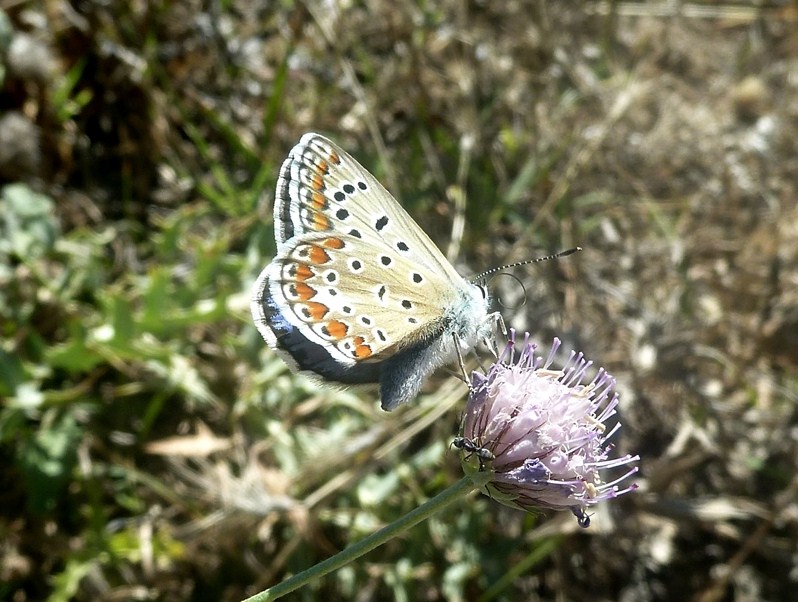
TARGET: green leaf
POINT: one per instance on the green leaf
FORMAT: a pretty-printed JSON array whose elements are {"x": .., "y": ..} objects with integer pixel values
[
  {"x": 74, "y": 355},
  {"x": 66, "y": 583},
  {"x": 28, "y": 227},
  {"x": 12, "y": 373},
  {"x": 47, "y": 458}
]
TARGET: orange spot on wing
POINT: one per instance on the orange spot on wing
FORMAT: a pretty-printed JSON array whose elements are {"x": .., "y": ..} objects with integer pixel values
[
  {"x": 320, "y": 222},
  {"x": 323, "y": 166},
  {"x": 317, "y": 310},
  {"x": 334, "y": 158},
  {"x": 333, "y": 243},
  {"x": 318, "y": 199},
  {"x": 304, "y": 292},
  {"x": 316, "y": 182},
  {"x": 303, "y": 273},
  {"x": 318, "y": 255},
  {"x": 337, "y": 329},
  {"x": 362, "y": 351}
]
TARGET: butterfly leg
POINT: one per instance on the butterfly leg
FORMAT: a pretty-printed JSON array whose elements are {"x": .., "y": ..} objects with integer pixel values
[
  {"x": 490, "y": 340},
  {"x": 500, "y": 321},
  {"x": 460, "y": 360}
]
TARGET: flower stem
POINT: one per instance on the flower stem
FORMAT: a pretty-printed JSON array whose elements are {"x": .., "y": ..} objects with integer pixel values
[{"x": 344, "y": 557}]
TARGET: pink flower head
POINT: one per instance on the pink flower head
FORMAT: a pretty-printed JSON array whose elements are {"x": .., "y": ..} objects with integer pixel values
[{"x": 542, "y": 432}]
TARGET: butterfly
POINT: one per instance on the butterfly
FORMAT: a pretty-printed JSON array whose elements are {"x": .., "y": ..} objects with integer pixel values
[{"x": 357, "y": 292}]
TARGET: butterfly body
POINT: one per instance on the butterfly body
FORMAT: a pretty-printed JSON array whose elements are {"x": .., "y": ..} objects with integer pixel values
[{"x": 357, "y": 292}]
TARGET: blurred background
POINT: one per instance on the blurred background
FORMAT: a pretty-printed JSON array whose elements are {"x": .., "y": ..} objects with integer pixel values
[{"x": 153, "y": 448}]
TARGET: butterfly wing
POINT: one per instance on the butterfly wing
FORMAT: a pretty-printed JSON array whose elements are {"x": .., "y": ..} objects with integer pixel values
[
  {"x": 321, "y": 188},
  {"x": 354, "y": 273}
]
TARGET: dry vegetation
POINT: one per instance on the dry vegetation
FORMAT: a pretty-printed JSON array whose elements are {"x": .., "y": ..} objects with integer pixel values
[{"x": 152, "y": 448}]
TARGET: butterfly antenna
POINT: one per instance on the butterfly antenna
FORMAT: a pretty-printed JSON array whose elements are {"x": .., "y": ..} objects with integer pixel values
[{"x": 565, "y": 253}]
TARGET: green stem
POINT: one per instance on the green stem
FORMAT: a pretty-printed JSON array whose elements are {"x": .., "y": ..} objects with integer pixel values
[{"x": 344, "y": 557}]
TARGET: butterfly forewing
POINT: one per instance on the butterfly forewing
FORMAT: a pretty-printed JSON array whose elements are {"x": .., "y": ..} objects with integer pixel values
[{"x": 323, "y": 188}]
